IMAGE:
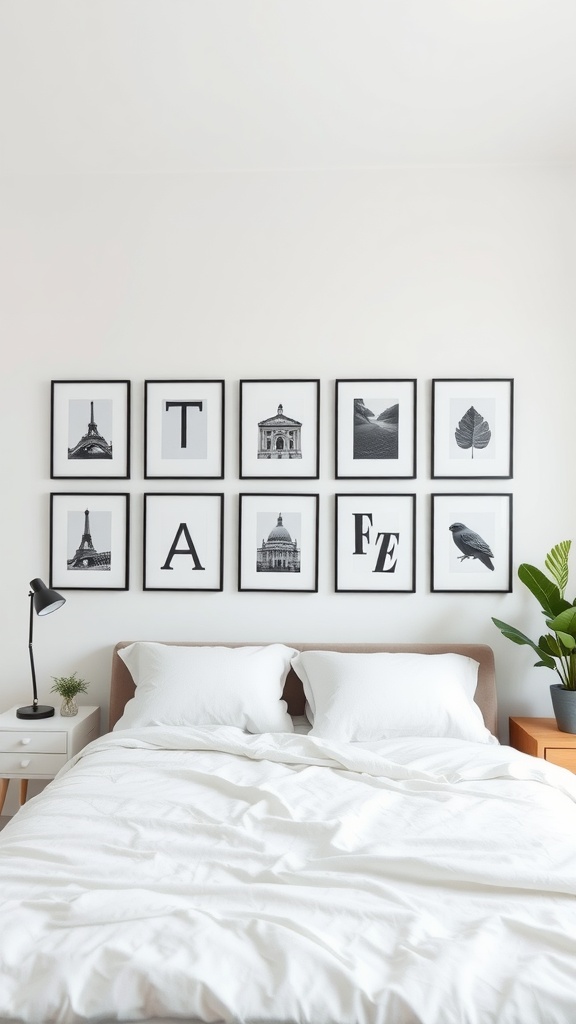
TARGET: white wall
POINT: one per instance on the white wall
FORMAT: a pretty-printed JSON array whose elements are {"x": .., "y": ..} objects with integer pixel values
[{"x": 400, "y": 273}]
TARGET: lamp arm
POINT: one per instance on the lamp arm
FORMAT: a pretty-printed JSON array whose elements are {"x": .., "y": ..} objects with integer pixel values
[{"x": 30, "y": 651}]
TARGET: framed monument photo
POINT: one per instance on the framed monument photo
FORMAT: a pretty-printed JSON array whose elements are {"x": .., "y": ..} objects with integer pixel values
[
  {"x": 375, "y": 429},
  {"x": 90, "y": 429},
  {"x": 375, "y": 543},
  {"x": 89, "y": 536},
  {"x": 184, "y": 429},
  {"x": 279, "y": 429},
  {"x": 278, "y": 542},
  {"x": 472, "y": 428},
  {"x": 183, "y": 541},
  {"x": 471, "y": 543}
]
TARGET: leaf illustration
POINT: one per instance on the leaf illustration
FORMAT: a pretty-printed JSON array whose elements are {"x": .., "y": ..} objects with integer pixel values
[{"x": 472, "y": 431}]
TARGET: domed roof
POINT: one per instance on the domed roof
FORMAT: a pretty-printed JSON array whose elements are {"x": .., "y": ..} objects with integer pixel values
[{"x": 279, "y": 533}]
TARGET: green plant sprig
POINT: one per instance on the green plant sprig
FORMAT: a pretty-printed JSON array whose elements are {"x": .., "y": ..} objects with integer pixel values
[
  {"x": 69, "y": 686},
  {"x": 556, "y": 650}
]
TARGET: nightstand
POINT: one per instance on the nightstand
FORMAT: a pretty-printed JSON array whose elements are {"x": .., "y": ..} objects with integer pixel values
[
  {"x": 38, "y": 750},
  {"x": 542, "y": 737}
]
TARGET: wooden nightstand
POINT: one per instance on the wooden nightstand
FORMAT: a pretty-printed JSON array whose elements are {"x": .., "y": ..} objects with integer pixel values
[
  {"x": 38, "y": 750},
  {"x": 542, "y": 737}
]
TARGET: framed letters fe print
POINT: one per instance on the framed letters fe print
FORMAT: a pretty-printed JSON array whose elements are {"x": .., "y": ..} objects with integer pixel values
[
  {"x": 278, "y": 542},
  {"x": 472, "y": 428},
  {"x": 471, "y": 543},
  {"x": 183, "y": 541},
  {"x": 376, "y": 429},
  {"x": 375, "y": 543},
  {"x": 90, "y": 429},
  {"x": 184, "y": 429},
  {"x": 89, "y": 541},
  {"x": 279, "y": 429}
]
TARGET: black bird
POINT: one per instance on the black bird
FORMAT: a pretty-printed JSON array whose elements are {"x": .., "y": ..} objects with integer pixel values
[{"x": 471, "y": 545}]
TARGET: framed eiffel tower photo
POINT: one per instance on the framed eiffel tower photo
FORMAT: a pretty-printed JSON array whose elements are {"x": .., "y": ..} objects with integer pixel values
[
  {"x": 89, "y": 536},
  {"x": 90, "y": 430}
]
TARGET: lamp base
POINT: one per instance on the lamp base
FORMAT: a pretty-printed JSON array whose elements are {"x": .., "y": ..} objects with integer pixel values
[{"x": 38, "y": 711}]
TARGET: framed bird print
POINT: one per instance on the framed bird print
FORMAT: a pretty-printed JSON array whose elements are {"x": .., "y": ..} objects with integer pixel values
[
  {"x": 471, "y": 543},
  {"x": 472, "y": 428}
]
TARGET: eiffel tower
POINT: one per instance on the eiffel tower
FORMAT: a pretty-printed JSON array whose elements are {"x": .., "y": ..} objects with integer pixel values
[
  {"x": 86, "y": 556},
  {"x": 91, "y": 445}
]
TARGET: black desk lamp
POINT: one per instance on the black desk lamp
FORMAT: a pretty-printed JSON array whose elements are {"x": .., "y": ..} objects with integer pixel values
[{"x": 43, "y": 601}]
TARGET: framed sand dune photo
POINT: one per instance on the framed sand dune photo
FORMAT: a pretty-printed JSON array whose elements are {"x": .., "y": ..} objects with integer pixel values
[{"x": 375, "y": 429}]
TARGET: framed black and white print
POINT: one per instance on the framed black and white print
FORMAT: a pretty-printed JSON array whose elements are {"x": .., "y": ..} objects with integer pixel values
[
  {"x": 375, "y": 543},
  {"x": 89, "y": 541},
  {"x": 90, "y": 429},
  {"x": 472, "y": 428},
  {"x": 471, "y": 543},
  {"x": 376, "y": 429},
  {"x": 184, "y": 429},
  {"x": 278, "y": 542},
  {"x": 183, "y": 541},
  {"x": 279, "y": 429}
]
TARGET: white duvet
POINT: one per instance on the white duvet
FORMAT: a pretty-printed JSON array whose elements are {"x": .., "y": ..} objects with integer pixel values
[{"x": 216, "y": 876}]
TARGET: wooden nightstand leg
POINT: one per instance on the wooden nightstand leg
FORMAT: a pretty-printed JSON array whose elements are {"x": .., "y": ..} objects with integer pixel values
[
  {"x": 23, "y": 791},
  {"x": 3, "y": 791}
]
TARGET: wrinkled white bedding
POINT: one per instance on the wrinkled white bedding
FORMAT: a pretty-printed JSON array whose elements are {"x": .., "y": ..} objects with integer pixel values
[{"x": 216, "y": 876}]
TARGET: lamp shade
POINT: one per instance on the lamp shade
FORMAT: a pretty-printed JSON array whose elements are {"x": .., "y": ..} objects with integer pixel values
[{"x": 44, "y": 599}]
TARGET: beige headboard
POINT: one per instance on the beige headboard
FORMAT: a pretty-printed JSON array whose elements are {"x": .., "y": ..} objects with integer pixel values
[{"x": 122, "y": 684}]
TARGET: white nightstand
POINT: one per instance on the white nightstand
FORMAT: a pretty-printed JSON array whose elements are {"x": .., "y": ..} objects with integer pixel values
[{"x": 38, "y": 750}]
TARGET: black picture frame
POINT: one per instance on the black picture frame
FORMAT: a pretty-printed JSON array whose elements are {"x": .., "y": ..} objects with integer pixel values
[
  {"x": 375, "y": 543},
  {"x": 472, "y": 428},
  {"x": 375, "y": 428},
  {"x": 184, "y": 423},
  {"x": 471, "y": 539},
  {"x": 90, "y": 429},
  {"x": 89, "y": 541},
  {"x": 279, "y": 429},
  {"x": 183, "y": 539},
  {"x": 278, "y": 542}
]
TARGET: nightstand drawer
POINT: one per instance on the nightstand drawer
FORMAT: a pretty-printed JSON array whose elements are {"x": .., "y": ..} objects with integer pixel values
[
  {"x": 563, "y": 756},
  {"x": 31, "y": 741},
  {"x": 27, "y": 764}
]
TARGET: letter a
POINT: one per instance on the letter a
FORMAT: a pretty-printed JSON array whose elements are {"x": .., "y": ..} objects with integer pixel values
[{"x": 190, "y": 550}]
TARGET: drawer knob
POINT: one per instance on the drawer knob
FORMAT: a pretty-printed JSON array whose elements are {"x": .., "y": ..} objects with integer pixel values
[
  {"x": 24, "y": 764},
  {"x": 25, "y": 740}
]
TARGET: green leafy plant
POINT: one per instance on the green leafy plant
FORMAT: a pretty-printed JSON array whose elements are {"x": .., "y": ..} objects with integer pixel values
[
  {"x": 556, "y": 649},
  {"x": 69, "y": 686}
]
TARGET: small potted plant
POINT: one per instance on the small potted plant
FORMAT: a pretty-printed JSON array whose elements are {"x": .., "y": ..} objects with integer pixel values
[
  {"x": 556, "y": 649},
  {"x": 69, "y": 687}
]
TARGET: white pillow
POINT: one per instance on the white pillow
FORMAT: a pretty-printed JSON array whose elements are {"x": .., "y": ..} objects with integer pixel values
[
  {"x": 367, "y": 697},
  {"x": 239, "y": 686}
]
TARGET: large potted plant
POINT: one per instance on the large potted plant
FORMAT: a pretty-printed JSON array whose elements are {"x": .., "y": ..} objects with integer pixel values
[{"x": 557, "y": 648}]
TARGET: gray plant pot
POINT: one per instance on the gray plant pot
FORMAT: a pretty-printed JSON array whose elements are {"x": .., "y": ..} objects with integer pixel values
[{"x": 564, "y": 704}]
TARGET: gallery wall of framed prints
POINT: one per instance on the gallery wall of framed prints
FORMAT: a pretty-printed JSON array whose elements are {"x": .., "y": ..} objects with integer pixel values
[{"x": 278, "y": 439}]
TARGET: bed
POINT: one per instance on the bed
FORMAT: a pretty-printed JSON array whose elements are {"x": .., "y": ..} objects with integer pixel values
[{"x": 325, "y": 834}]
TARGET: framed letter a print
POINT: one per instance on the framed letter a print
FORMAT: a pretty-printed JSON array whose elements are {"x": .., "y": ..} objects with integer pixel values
[
  {"x": 376, "y": 429},
  {"x": 471, "y": 543},
  {"x": 184, "y": 429},
  {"x": 183, "y": 541},
  {"x": 472, "y": 429},
  {"x": 375, "y": 543}
]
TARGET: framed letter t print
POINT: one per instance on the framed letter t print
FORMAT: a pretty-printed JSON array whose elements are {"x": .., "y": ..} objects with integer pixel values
[
  {"x": 375, "y": 543},
  {"x": 184, "y": 429},
  {"x": 183, "y": 541}
]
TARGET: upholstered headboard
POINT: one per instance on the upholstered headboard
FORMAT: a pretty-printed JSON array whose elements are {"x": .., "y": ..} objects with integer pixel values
[{"x": 122, "y": 684}]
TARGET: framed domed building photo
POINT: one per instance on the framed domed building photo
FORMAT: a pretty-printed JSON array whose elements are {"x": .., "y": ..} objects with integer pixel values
[
  {"x": 279, "y": 429},
  {"x": 278, "y": 548}
]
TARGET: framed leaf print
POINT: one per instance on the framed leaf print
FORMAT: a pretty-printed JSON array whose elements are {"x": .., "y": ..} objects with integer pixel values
[
  {"x": 472, "y": 428},
  {"x": 471, "y": 543},
  {"x": 376, "y": 429}
]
